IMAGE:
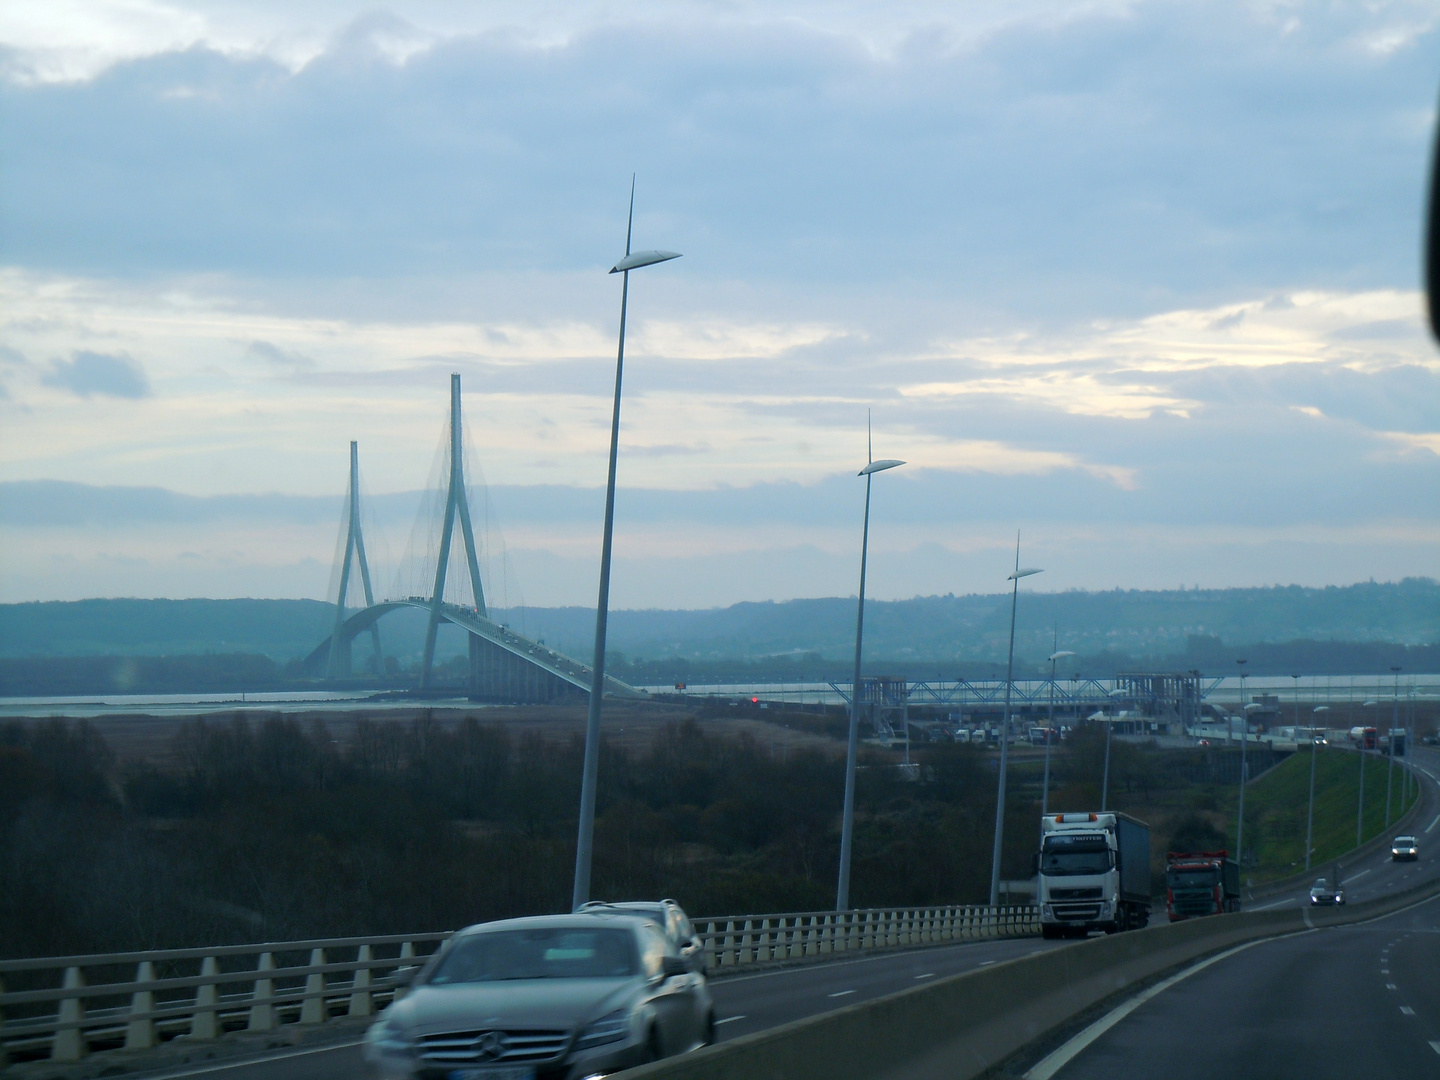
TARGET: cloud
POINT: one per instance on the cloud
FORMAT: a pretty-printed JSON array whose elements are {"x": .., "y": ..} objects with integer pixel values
[
  {"x": 1143, "y": 267},
  {"x": 1124, "y": 155},
  {"x": 281, "y": 358},
  {"x": 92, "y": 373}
]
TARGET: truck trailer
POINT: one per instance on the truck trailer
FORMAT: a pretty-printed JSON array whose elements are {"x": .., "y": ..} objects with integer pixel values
[
  {"x": 1200, "y": 883},
  {"x": 1094, "y": 874}
]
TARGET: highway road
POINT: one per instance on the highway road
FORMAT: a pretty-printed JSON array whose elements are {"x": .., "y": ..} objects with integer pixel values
[
  {"x": 1360, "y": 1001},
  {"x": 743, "y": 1004},
  {"x": 1375, "y": 875},
  {"x": 1322, "y": 970}
]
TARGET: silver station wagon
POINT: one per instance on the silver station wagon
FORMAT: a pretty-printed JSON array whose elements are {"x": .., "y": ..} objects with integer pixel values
[{"x": 554, "y": 997}]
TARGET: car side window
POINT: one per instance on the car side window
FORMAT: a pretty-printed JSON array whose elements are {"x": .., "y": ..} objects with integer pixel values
[{"x": 652, "y": 949}]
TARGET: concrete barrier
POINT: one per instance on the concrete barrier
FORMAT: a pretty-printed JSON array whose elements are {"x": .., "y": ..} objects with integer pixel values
[{"x": 961, "y": 1026}]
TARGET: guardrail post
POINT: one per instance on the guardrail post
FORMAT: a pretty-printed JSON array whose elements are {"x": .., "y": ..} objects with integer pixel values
[
  {"x": 205, "y": 1023},
  {"x": 312, "y": 1009},
  {"x": 361, "y": 1001},
  {"x": 407, "y": 952},
  {"x": 140, "y": 1029},
  {"x": 727, "y": 957},
  {"x": 262, "y": 1008},
  {"x": 69, "y": 1044}
]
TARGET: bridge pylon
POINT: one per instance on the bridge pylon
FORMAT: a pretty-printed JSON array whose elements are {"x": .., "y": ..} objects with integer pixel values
[
  {"x": 339, "y": 662},
  {"x": 456, "y": 506}
]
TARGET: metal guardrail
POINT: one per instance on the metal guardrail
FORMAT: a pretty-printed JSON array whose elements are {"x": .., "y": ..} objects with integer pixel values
[
  {"x": 60, "y": 1008},
  {"x": 771, "y": 939}
]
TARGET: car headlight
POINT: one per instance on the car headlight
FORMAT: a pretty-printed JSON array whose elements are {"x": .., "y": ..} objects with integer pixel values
[
  {"x": 389, "y": 1038},
  {"x": 609, "y": 1028}
]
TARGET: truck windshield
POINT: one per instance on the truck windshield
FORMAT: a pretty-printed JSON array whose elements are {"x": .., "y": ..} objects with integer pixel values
[
  {"x": 1064, "y": 857},
  {"x": 1191, "y": 879}
]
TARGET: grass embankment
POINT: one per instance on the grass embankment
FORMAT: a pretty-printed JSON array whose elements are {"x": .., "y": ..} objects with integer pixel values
[{"x": 1275, "y": 810}]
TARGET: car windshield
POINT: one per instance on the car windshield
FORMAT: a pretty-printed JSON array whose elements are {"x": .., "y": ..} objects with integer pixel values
[
  {"x": 1405, "y": 841},
  {"x": 548, "y": 953},
  {"x": 1319, "y": 885},
  {"x": 1182, "y": 879},
  {"x": 1071, "y": 856}
]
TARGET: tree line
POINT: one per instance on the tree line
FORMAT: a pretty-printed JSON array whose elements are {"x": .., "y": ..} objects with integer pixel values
[{"x": 271, "y": 829}]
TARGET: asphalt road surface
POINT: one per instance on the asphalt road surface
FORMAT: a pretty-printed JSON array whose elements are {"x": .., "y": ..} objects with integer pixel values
[
  {"x": 1351, "y": 1001},
  {"x": 1376, "y": 875}
]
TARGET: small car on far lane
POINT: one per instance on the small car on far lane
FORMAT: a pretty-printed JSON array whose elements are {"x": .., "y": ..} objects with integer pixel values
[
  {"x": 1322, "y": 893},
  {"x": 1405, "y": 849}
]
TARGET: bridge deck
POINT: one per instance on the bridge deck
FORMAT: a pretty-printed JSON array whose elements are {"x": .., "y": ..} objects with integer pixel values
[{"x": 532, "y": 652}]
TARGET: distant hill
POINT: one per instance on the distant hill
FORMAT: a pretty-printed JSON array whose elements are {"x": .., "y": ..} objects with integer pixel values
[
  {"x": 910, "y": 633},
  {"x": 280, "y": 629},
  {"x": 975, "y": 627}
]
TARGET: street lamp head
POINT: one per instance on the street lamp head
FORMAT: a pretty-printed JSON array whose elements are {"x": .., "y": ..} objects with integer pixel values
[
  {"x": 1060, "y": 655},
  {"x": 1254, "y": 706},
  {"x": 879, "y": 466},
  {"x": 1321, "y": 708},
  {"x": 643, "y": 258},
  {"x": 1018, "y": 574}
]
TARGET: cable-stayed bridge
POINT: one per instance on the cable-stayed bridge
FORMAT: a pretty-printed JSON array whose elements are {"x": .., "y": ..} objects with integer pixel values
[{"x": 503, "y": 665}]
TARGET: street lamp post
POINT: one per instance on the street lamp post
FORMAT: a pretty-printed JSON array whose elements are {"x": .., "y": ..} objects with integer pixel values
[
  {"x": 1050, "y": 735},
  {"x": 1105, "y": 774},
  {"x": 1005, "y": 729},
  {"x": 1390, "y": 767},
  {"x": 1360, "y": 813},
  {"x": 584, "y": 846},
  {"x": 1295, "y": 682},
  {"x": 847, "y": 819},
  {"x": 1244, "y": 738},
  {"x": 1310, "y": 814}
]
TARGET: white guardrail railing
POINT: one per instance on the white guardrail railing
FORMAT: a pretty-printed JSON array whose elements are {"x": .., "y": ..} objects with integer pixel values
[{"x": 60, "y": 1008}]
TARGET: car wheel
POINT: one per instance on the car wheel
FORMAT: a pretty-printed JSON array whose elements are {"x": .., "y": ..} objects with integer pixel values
[
  {"x": 709, "y": 1037},
  {"x": 653, "y": 1050}
]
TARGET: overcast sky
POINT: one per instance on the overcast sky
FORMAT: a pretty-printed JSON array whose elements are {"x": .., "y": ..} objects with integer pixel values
[{"x": 1140, "y": 279}]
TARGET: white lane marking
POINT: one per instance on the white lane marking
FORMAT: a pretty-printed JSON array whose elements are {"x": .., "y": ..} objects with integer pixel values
[
  {"x": 1431, "y": 826},
  {"x": 202, "y": 1070},
  {"x": 1277, "y": 903},
  {"x": 840, "y": 993},
  {"x": 1435, "y": 1045},
  {"x": 1407, "y": 1010},
  {"x": 1389, "y": 986},
  {"x": 1384, "y": 971},
  {"x": 927, "y": 975},
  {"x": 1057, "y": 1059},
  {"x": 729, "y": 1020},
  {"x": 880, "y": 956},
  {"x": 986, "y": 963},
  {"x": 1361, "y": 874}
]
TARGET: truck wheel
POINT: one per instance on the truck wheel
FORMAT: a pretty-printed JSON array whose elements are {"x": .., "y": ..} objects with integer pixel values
[{"x": 1050, "y": 933}]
